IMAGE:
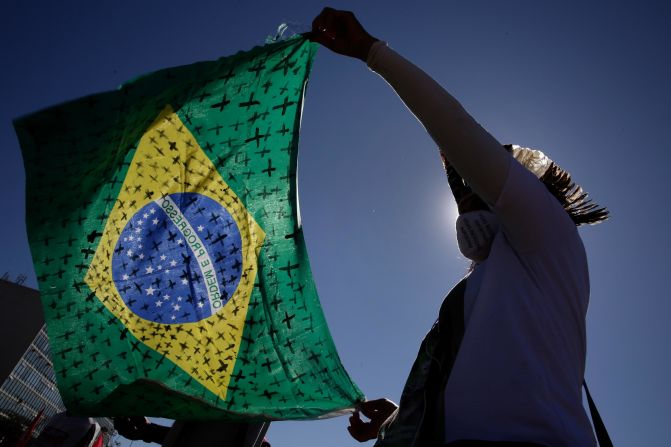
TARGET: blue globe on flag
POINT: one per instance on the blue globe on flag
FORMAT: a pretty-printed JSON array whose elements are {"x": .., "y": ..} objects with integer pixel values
[{"x": 178, "y": 259}]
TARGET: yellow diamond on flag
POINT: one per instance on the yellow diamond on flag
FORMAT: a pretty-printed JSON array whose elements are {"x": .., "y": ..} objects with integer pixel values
[{"x": 177, "y": 259}]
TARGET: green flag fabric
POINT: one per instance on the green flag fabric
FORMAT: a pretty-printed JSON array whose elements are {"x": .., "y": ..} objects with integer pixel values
[{"x": 163, "y": 225}]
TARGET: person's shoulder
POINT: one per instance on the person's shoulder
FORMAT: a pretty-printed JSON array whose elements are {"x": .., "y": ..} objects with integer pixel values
[{"x": 532, "y": 218}]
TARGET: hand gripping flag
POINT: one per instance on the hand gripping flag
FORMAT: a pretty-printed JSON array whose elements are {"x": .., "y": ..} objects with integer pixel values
[{"x": 162, "y": 221}]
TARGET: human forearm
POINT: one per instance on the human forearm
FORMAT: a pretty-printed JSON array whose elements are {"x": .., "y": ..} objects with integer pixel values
[{"x": 475, "y": 154}]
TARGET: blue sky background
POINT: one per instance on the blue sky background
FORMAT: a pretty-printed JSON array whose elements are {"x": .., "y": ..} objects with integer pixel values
[{"x": 588, "y": 82}]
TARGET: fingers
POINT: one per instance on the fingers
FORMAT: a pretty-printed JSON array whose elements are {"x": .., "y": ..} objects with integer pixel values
[
  {"x": 325, "y": 26},
  {"x": 338, "y": 31},
  {"x": 321, "y": 37},
  {"x": 360, "y": 430},
  {"x": 334, "y": 22},
  {"x": 359, "y": 436},
  {"x": 323, "y": 21},
  {"x": 130, "y": 427},
  {"x": 377, "y": 409},
  {"x": 355, "y": 421}
]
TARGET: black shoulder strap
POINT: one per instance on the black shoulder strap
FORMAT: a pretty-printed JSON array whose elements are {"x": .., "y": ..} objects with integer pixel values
[{"x": 599, "y": 427}]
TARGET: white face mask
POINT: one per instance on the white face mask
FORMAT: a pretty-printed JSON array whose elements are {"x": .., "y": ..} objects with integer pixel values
[{"x": 475, "y": 233}]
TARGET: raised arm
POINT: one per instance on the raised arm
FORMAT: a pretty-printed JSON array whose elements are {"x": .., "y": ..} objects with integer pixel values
[{"x": 475, "y": 154}]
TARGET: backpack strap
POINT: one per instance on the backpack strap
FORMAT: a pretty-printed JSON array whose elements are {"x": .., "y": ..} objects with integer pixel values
[{"x": 599, "y": 427}]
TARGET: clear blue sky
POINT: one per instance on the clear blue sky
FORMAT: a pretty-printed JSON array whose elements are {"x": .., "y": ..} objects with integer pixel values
[{"x": 588, "y": 82}]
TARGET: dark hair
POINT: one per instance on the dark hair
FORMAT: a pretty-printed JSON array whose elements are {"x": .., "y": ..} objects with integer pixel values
[{"x": 572, "y": 198}]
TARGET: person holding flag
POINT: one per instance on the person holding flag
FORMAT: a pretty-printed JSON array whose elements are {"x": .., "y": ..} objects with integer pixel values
[{"x": 505, "y": 361}]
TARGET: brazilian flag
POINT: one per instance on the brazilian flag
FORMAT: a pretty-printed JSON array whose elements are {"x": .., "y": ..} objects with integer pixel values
[{"x": 163, "y": 225}]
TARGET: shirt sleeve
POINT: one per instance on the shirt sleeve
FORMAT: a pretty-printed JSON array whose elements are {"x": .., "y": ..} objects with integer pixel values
[
  {"x": 530, "y": 215},
  {"x": 532, "y": 218},
  {"x": 477, "y": 156}
]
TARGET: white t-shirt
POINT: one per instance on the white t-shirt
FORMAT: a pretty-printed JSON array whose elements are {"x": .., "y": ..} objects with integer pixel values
[{"x": 519, "y": 370}]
